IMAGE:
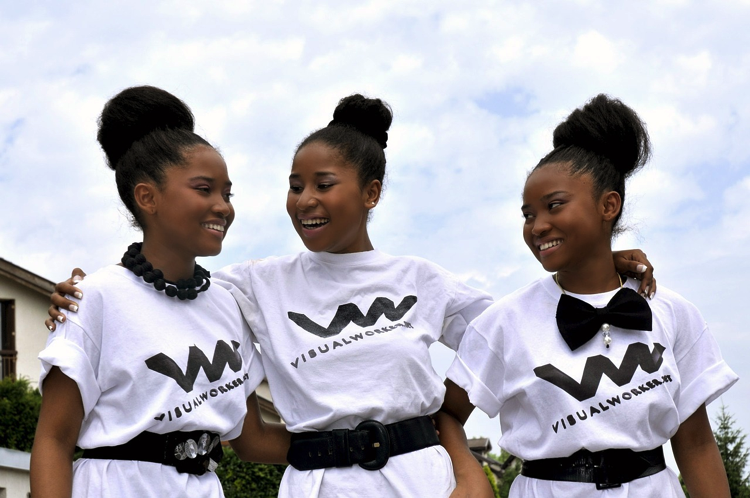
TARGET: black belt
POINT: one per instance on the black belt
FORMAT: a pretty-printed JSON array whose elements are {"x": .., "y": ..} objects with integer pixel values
[
  {"x": 193, "y": 452},
  {"x": 608, "y": 468},
  {"x": 370, "y": 444}
]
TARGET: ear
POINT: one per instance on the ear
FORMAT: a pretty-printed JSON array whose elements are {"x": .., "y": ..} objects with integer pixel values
[
  {"x": 146, "y": 197},
  {"x": 610, "y": 205},
  {"x": 371, "y": 193}
]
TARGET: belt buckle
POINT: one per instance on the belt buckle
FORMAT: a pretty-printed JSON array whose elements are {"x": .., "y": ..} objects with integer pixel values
[
  {"x": 601, "y": 472},
  {"x": 380, "y": 444}
]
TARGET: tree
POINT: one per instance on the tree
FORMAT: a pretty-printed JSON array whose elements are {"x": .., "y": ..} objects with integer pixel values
[
  {"x": 19, "y": 411},
  {"x": 734, "y": 453},
  {"x": 240, "y": 479},
  {"x": 510, "y": 467}
]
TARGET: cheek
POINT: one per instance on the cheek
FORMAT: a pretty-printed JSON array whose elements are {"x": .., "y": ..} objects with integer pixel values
[{"x": 527, "y": 237}]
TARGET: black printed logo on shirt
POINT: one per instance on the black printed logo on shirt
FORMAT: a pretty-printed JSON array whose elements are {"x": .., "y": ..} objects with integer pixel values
[
  {"x": 637, "y": 355},
  {"x": 224, "y": 355},
  {"x": 350, "y": 313}
]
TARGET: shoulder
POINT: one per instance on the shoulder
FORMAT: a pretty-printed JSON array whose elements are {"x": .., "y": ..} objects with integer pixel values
[
  {"x": 533, "y": 298},
  {"x": 668, "y": 304}
]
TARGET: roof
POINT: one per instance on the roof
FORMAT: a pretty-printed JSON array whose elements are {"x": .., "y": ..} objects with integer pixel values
[
  {"x": 26, "y": 278},
  {"x": 14, "y": 459}
]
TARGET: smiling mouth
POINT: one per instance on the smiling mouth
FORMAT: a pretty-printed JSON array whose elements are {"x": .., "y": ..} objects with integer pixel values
[
  {"x": 550, "y": 244},
  {"x": 314, "y": 223},
  {"x": 212, "y": 226}
]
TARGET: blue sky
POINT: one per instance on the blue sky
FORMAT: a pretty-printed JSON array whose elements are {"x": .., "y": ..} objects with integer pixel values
[{"x": 476, "y": 87}]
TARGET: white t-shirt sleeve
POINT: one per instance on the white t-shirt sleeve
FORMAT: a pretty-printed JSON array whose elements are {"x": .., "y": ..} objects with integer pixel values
[
  {"x": 71, "y": 350},
  {"x": 483, "y": 380},
  {"x": 704, "y": 376},
  {"x": 466, "y": 303},
  {"x": 237, "y": 280}
]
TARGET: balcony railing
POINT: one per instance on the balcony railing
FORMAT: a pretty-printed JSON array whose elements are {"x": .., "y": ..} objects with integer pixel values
[{"x": 8, "y": 357}]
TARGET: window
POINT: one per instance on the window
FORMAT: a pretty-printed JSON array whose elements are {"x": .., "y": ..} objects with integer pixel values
[{"x": 8, "y": 351}]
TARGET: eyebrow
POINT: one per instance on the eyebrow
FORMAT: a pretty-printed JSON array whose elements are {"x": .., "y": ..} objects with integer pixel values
[
  {"x": 209, "y": 180},
  {"x": 547, "y": 196},
  {"x": 317, "y": 174}
]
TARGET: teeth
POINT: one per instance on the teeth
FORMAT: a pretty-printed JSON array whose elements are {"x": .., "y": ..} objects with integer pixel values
[
  {"x": 218, "y": 228},
  {"x": 547, "y": 245},
  {"x": 314, "y": 222}
]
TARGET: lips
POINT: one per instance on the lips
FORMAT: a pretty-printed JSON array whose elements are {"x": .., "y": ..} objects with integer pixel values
[
  {"x": 213, "y": 226},
  {"x": 549, "y": 245},
  {"x": 313, "y": 223}
]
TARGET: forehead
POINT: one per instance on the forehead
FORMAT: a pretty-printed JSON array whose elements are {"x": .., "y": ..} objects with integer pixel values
[
  {"x": 555, "y": 177},
  {"x": 201, "y": 161},
  {"x": 318, "y": 158}
]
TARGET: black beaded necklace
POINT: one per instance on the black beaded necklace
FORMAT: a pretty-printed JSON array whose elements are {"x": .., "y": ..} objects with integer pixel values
[{"x": 136, "y": 262}]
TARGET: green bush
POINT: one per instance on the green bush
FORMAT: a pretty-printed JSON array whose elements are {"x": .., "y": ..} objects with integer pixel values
[
  {"x": 242, "y": 479},
  {"x": 19, "y": 412}
]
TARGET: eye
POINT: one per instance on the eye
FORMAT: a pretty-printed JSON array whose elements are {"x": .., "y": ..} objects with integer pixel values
[
  {"x": 527, "y": 216},
  {"x": 554, "y": 204},
  {"x": 295, "y": 189},
  {"x": 228, "y": 196},
  {"x": 324, "y": 186},
  {"x": 204, "y": 188}
]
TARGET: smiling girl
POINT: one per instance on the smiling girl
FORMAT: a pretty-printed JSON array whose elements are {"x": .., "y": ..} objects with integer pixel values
[
  {"x": 159, "y": 366},
  {"x": 345, "y": 329},
  {"x": 647, "y": 369}
]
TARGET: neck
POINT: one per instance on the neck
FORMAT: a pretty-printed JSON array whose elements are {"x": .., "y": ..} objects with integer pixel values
[
  {"x": 171, "y": 261},
  {"x": 594, "y": 276}
]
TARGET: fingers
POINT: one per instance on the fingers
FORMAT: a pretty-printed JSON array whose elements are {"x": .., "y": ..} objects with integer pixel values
[
  {"x": 635, "y": 264},
  {"x": 54, "y": 316}
]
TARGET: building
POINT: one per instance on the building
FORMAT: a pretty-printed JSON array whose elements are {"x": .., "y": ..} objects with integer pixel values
[{"x": 24, "y": 299}]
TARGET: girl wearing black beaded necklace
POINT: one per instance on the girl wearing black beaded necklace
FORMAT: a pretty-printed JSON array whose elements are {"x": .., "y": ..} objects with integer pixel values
[
  {"x": 111, "y": 385},
  {"x": 335, "y": 182}
]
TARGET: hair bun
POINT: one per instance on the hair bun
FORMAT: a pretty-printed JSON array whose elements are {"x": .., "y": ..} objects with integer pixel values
[
  {"x": 136, "y": 112},
  {"x": 372, "y": 117},
  {"x": 608, "y": 128}
]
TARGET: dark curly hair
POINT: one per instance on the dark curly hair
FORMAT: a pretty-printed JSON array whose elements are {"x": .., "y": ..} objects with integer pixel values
[
  {"x": 144, "y": 130},
  {"x": 359, "y": 132},
  {"x": 605, "y": 139}
]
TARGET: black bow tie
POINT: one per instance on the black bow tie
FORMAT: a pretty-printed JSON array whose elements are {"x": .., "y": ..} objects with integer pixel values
[{"x": 578, "y": 321}]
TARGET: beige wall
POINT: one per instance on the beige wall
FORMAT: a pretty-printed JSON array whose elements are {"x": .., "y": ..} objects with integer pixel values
[
  {"x": 14, "y": 473},
  {"x": 31, "y": 334}
]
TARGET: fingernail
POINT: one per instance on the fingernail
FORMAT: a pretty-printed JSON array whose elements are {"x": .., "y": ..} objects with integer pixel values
[
  {"x": 641, "y": 268},
  {"x": 73, "y": 308},
  {"x": 78, "y": 295},
  {"x": 77, "y": 279},
  {"x": 651, "y": 296},
  {"x": 60, "y": 318},
  {"x": 49, "y": 327}
]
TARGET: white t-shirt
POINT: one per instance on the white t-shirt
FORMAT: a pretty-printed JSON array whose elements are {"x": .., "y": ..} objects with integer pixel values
[
  {"x": 345, "y": 338},
  {"x": 145, "y": 361},
  {"x": 553, "y": 401}
]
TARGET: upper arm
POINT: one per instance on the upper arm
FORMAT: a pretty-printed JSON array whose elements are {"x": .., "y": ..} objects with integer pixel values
[
  {"x": 61, "y": 413},
  {"x": 456, "y": 402}
]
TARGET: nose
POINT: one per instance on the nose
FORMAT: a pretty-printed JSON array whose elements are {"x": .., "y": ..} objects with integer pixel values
[
  {"x": 222, "y": 207},
  {"x": 306, "y": 200},
  {"x": 540, "y": 226}
]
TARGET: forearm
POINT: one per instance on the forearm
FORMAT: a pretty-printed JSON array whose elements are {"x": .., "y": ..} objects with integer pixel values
[
  {"x": 269, "y": 444},
  {"x": 51, "y": 469},
  {"x": 470, "y": 477},
  {"x": 698, "y": 458},
  {"x": 261, "y": 441}
]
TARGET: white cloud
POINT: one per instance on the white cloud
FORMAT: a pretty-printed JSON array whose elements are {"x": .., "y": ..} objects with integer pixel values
[{"x": 259, "y": 76}]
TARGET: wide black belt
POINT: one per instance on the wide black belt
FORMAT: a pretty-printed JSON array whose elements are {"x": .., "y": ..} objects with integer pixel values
[
  {"x": 608, "y": 468},
  {"x": 370, "y": 444},
  {"x": 195, "y": 452}
]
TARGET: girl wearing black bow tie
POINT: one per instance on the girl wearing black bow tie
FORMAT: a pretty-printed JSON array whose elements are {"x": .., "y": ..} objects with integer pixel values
[{"x": 589, "y": 378}]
